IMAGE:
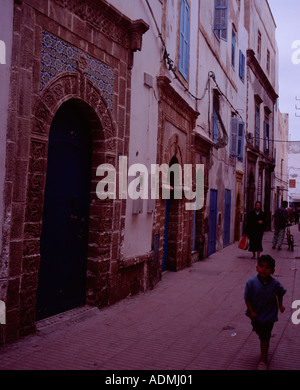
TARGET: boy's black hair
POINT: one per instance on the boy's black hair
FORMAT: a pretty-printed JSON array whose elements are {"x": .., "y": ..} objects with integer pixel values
[{"x": 267, "y": 259}]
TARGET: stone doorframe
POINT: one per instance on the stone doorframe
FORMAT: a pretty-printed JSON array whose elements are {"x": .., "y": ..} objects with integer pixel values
[
  {"x": 175, "y": 110},
  {"x": 174, "y": 149},
  {"x": 75, "y": 87}
]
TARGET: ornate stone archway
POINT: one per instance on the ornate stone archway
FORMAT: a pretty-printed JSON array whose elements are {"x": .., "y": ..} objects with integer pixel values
[
  {"x": 173, "y": 154},
  {"x": 77, "y": 88},
  {"x": 175, "y": 128},
  {"x": 174, "y": 149}
]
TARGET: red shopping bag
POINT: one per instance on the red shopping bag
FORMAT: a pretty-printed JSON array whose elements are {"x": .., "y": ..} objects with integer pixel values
[{"x": 244, "y": 242}]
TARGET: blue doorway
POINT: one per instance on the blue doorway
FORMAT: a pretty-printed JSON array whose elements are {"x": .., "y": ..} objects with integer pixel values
[
  {"x": 227, "y": 212},
  {"x": 212, "y": 222},
  {"x": 64, "y": 238}
]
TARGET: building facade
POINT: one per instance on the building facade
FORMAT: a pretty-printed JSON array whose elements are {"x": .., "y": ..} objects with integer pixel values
[
  {"x": 282, "y": 160},
  {"x": 293, "y": 173},
  {"x": 222, "y": 119},
  {"x": 100, "y": 92},
  {"x": 262, "y": 74}
]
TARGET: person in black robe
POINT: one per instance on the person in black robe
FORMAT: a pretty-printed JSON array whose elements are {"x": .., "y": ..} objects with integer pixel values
[{"x": 255, "y": 229}]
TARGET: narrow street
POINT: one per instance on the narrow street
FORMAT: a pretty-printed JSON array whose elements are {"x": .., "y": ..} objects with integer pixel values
[{"x": 193, "y": 320}]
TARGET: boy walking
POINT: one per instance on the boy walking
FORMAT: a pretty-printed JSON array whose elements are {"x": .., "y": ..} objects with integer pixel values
[{"x": 263, "y": 296}]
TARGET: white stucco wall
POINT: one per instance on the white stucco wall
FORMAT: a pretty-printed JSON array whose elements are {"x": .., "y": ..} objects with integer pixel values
[
  {"x": 144, "y": 117},
  {"x": 261, "y": 18},
  {"x": 294, "y": 170},
  {"x": 172, "y": 23},
  {"x": 6, "y": 26},
  {"x": 281, "y": 145}
]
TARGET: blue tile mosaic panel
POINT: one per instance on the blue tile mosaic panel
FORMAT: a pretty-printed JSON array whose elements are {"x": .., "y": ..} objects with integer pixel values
[{"x": 59, "y": 56}]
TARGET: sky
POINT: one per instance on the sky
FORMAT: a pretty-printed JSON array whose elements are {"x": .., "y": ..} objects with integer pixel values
[{"x": 287, "y": 17}]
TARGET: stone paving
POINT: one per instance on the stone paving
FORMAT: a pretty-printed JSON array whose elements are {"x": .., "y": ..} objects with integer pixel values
[{"x": 192, "y": 320}]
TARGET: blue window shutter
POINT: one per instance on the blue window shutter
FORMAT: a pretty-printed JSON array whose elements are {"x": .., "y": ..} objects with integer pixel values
[
  {"x": 233, "y": 44},
  {"x": 234, "y": 137},
  {"x": 241, "y": 132},
  {"x": 181, "y": 38},
  {"x": 237, "y": 138},
  {"x": 187, "y": 41},
  {"x": 184, "y": 39},
  {"x": 266, "y": 137},
  {"x": 242, "y": 66},
  {"x": 215, "y": 126},
  {"x": 221, "y": 19}
]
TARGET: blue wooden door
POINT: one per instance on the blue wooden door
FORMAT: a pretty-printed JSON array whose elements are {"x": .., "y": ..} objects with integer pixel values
[
  {"x": 212, "y": 222},
  {"x": 227, "y": 212},
  {"x": 64, "y": 238},
  {"x": 166, "y": 235}
]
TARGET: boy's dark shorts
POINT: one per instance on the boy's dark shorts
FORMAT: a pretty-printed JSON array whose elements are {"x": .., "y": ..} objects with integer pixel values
[{"x": 263, "y": 329}]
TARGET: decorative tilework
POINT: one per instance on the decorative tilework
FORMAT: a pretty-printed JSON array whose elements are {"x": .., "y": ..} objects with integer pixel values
[{"x": 59, "y": 56}]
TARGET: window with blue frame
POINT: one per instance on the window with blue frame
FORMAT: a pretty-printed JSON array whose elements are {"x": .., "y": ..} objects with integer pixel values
[
  {"x": 241, "y": 134},
  {"x": 242, "y": 66},
  {"x": 184, "y": 39},
  {"x": 221, "y": 19},
  {"x": 237, "y": 138},
  {"x": 233, "y": 45}
]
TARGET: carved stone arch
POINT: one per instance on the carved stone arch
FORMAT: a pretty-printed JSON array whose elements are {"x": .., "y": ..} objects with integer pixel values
[
  {"x": 63, "y": 88},
  {"x": 174, "y": 148},
  {"x": 68, "y": 86}
]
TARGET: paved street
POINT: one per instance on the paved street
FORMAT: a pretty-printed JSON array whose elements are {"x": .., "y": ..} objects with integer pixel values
[{"x": 193, "y": 320}]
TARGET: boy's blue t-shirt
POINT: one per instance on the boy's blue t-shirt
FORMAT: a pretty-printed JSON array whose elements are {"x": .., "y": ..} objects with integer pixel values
[{"x": 263, "y": 298}]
